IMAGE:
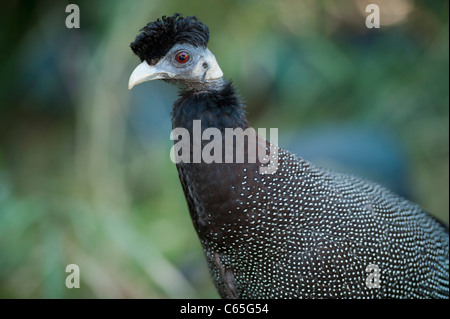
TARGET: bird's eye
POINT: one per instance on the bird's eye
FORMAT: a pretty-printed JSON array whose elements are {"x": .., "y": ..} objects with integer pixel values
[{"x": 182, "y": 57}]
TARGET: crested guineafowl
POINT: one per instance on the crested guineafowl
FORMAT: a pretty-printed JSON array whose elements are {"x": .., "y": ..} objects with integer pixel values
[{"x": 277, "y": 226}]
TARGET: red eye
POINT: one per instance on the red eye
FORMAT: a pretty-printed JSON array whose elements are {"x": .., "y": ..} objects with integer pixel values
[{"x": 182, "y": 57}]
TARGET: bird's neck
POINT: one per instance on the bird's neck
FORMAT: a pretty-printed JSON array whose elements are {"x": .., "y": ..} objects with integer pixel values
[{"x": 216, "y": 105}]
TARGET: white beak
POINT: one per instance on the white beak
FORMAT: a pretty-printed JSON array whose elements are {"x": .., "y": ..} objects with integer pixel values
[{"x": 144, "y": 73}]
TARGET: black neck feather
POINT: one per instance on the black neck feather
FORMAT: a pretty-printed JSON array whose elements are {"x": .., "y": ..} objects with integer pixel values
[{"x": 218, "y": 107}]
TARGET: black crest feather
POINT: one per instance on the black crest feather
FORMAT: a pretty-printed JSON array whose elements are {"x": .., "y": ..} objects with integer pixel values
[{"x": 158, "y": 37}]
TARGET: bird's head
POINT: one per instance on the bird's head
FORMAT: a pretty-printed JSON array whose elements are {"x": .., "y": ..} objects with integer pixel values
[{"x": 174, "y": 48}]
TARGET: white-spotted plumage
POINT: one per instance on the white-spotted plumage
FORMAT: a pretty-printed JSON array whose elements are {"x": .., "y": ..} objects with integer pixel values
[{"x": 314, "y": 233}]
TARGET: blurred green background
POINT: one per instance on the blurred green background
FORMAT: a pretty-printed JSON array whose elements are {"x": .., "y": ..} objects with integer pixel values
[{"x": 85, "y": 174}]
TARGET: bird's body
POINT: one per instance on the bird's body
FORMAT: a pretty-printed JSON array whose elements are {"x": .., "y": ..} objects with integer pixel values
[{"x": 303, "y": 231}]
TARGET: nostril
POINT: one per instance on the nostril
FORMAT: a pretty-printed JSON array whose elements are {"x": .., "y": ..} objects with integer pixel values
[{"x": 205, "y": 65}]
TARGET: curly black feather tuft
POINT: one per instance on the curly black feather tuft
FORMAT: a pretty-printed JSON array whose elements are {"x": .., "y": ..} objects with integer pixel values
[{"x": 158, "y": 37}]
